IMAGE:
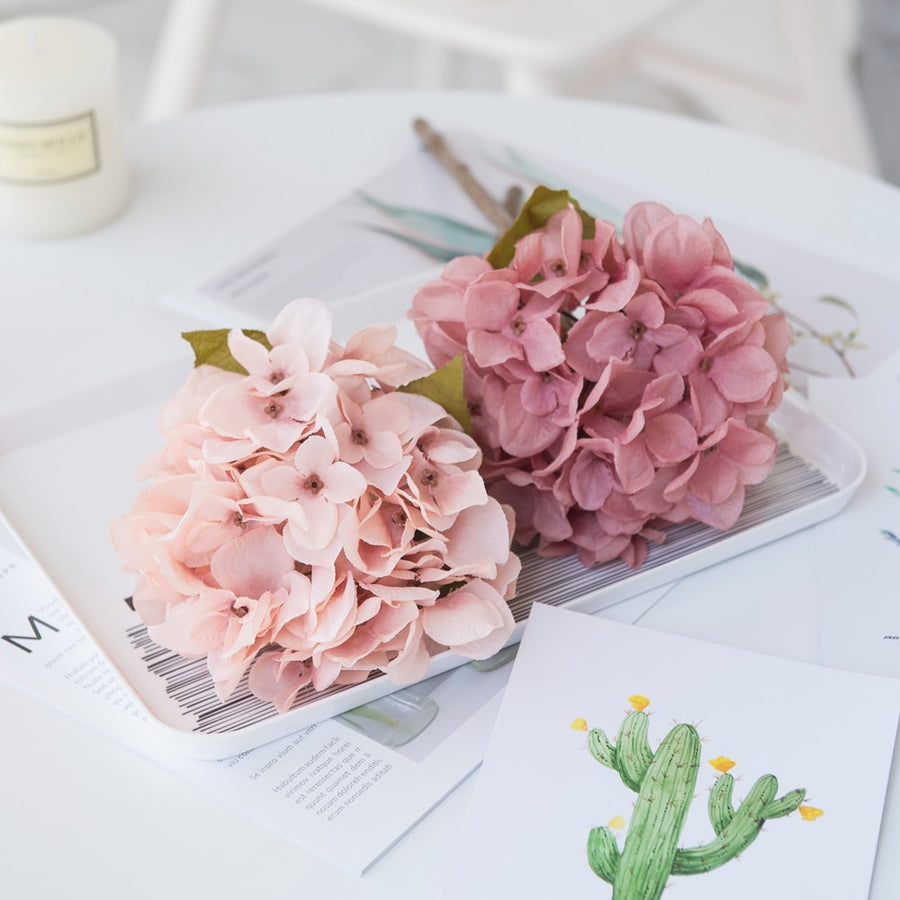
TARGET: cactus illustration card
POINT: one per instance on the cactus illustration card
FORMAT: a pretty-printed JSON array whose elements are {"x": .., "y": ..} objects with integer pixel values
[{"x": 626, "y": 762}]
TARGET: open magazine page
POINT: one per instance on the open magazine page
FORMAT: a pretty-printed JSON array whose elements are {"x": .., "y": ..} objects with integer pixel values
[
  {"x": 401, "y": 226},
  {"x": 329, "y": 787}
]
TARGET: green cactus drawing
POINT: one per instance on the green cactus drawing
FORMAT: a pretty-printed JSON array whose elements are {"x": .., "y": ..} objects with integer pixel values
[{"x": 664, "y": 782}]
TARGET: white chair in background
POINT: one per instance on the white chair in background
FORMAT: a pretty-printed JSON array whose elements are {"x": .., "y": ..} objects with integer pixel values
[
  {"x": 537, "y": 43},
  {"x": 820, "y": 101},
  {"x": 541, "y": 47},
  {"x": 182, "y": 56}
]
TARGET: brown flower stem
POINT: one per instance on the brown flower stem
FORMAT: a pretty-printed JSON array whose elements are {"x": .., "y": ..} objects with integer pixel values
[
  {"x": 477, "y": 193},
  {"x": 512, "y": 201},
  {"x": 808, "y": 370},
  {"x": 815, "y": 333}
]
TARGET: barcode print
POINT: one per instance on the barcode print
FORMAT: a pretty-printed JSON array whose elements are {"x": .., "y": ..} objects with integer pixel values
[
  {"x": 190, "y": 685},
  {"x": 793, "y": 484}
]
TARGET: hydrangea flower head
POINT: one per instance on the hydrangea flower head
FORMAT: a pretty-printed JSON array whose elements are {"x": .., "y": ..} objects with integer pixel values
[
  {"x": 614, "y": 385},
  {"x": 307, "y": 524}
]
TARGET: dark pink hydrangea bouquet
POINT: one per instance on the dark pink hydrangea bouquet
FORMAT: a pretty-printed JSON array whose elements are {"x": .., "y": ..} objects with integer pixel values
[
  {"x": 314, "y": 517},
  {"x": 614, "y": 385}
]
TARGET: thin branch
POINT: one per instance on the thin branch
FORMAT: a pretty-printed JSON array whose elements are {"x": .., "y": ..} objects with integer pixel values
[
  {"x": 437, "y": 146},
  {"x": 512, "y": 202},
  {"x": 840, "y": 352}
]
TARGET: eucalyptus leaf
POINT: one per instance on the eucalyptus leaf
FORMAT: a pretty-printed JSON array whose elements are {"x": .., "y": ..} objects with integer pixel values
[
  {"x": 843, "y": 304},
  {"x": 211, "y": 347},
  {"x": 436, "y": 252},
  {"x": 445, "y": 387},
  {"x": 537, "y": 211},
  {"x": 752, "y": 274},
  {"x": 437, "y": 226}
]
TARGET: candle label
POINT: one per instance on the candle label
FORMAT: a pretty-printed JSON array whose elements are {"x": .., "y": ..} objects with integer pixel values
[{"x": 49, "y": 152}]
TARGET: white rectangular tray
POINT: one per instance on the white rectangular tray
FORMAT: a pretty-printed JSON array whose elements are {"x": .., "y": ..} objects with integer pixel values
[{"x": 61, "y": 490}]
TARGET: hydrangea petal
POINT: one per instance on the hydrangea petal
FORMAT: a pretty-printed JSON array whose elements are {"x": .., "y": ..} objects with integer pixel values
[
  {"x": 251, "y": 563},
  {"x": 671, "y": 438},
  {"x": 473, "y": 620},
  {"x": 676, "y": 251},
  {"x": 743, "y": 374}
]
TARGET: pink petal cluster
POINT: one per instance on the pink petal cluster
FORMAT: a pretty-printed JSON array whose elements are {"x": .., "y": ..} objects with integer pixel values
[
  {"x": 614, "y": 385},
  {"x": 309, "y": 524}
]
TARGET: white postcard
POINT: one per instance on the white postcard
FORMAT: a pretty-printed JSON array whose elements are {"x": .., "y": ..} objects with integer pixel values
[{"x": 628, "y": 760}]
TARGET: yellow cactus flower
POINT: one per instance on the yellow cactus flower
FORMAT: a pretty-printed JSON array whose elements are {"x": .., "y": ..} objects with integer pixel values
[
  {"x": 579, "y": 724},
  {"x": 616, "y": 823},
  {"x": 638, "y": 702},
  {"x": 722, "y": 763},
  {"x": 810, "y": 813}
]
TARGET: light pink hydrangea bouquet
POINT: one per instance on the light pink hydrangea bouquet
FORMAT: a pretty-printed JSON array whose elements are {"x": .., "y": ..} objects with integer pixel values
[
  {"x": 614, "y": 385},
  {"x": 309, "y": 521}
]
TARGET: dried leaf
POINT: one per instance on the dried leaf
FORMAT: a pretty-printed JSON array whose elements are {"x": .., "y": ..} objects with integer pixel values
[
  {"x": 445, "y": 387},
  {"x": 536, "y": 212},
  {"x": 211, "y": 347}
]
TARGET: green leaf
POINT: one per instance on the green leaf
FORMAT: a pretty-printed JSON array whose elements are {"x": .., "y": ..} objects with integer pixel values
[
  {"x": 752, "y": 274},
  {"x": 536, "y": 212},
  {"x": 843, "y": 304},
  {"x": 436, "y": 226},
  {"x": 211, "y": 347},
  {"x": 445, "y": 387},
  {"x": 446, "y": 589}
]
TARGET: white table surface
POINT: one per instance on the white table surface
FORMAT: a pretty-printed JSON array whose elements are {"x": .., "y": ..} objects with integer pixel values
[{"x": 81, "y": 816}]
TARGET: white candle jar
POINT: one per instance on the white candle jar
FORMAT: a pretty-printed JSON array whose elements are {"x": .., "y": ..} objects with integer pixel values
[{"x": 63, "y": 169}]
